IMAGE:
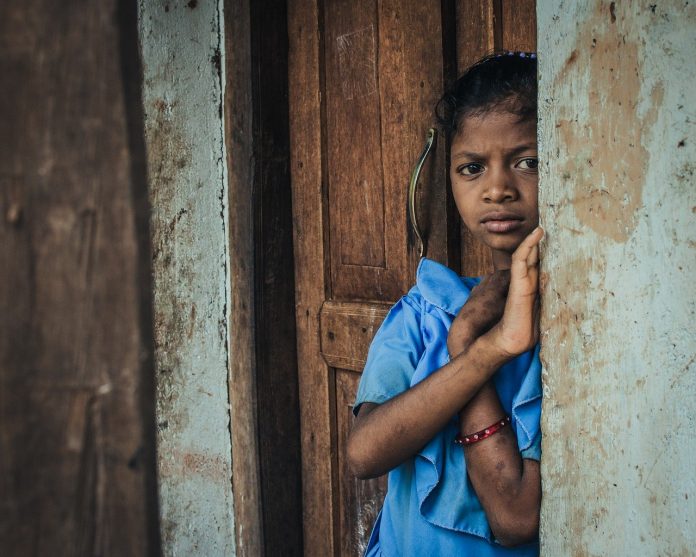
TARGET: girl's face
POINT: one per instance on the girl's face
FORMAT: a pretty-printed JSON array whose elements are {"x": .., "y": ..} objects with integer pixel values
[{"x": 494, "y": 180}]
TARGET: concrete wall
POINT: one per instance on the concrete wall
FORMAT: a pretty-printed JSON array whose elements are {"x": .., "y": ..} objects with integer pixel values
[
  {"x": 182, "y": 53},
  {"x": 618, "y": 201}
]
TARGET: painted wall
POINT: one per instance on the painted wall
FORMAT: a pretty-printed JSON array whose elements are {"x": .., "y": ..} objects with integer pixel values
[
  {"x": 182, "y": 50},
  {"x": 618, "y": 201}
]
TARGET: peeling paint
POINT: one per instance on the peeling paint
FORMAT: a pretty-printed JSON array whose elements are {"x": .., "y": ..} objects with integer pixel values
[{"x": 617, "y": 194}]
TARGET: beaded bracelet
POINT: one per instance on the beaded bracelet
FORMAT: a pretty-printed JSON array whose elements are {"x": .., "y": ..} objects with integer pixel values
[{"x": 472, "y": 438}]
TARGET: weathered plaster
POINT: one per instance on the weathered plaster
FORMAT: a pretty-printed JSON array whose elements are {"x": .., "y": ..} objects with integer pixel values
[
  {"x": 181, "y": 46},
  {"x": 618, "y": 202}
]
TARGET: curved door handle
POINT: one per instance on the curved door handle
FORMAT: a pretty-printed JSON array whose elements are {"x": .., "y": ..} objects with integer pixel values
[{"x": 413, "y": 184}]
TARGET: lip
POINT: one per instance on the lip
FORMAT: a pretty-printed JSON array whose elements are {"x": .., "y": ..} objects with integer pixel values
[{"x": 501, "y": 221}]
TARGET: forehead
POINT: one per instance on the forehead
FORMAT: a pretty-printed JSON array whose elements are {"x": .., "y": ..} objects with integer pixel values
[{"x": 493, "y": 130}]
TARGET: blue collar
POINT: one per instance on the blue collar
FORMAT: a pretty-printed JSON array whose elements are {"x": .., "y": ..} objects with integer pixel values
[{"x": 442, "y": 287}]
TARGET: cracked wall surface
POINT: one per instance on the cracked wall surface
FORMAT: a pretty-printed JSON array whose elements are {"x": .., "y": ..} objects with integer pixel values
[
  {"x": 618, "y": 202},
  {"x": 181, "y": 45}
]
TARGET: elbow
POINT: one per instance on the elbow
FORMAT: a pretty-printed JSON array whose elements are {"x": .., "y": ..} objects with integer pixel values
[
  {"x": 359, "y": 461},
  {"x": 518, "y": 530}
]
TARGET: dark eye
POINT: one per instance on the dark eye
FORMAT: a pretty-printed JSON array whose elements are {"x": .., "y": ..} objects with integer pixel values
[
  {"x": 531, "y": 163},
  {"x": 470, "y": 169}
]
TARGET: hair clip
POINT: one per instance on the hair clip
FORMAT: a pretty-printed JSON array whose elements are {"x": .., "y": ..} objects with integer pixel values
[{"x": 521, "y": 54}]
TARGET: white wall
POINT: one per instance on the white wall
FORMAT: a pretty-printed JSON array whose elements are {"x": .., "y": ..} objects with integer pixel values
[
  {"x": 618, "y": 201},
  {"x": 182, "y": 49}
]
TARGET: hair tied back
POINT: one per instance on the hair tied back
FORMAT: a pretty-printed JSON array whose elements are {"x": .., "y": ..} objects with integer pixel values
[{"x": 503, "y": 80}]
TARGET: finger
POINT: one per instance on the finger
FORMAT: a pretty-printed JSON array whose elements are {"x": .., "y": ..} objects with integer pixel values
[
  {"x": 534, "y": 237},
  {"x": 523, "y": 250},
  {"x": 533, "y": 257}
]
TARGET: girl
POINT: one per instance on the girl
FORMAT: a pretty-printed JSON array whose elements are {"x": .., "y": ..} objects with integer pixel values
[{"x": 449, "y": 401}]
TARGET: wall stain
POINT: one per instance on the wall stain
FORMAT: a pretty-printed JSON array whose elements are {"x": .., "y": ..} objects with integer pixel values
[
  {"x": 614, "y": 176},
  {"x": 169, "y": 156},
  {"x": 191, "y": 463}
]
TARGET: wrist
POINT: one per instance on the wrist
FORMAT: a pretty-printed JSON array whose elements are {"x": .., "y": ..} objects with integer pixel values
[
  {"x": 490, "y": 345},
  {"x": 482, "y": 410},
  {"x": 511, "y": 343},
  {"x": 481, "y": 359}
]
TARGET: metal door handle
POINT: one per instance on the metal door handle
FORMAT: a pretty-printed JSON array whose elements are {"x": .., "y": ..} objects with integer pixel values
[{"x": 413, "y": 184}]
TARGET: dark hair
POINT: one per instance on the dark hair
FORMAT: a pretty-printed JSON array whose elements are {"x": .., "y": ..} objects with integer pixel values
[{"x": 500, "y": 81}]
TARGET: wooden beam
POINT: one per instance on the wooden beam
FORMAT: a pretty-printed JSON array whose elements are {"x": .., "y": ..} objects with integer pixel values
[
  {"x": 263, "y": 381},
  {"x": 77, "y": 424}
]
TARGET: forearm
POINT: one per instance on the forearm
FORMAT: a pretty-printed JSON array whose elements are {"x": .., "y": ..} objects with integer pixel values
[
  {"x": 394, "y": 431},
  {"x": 507, "y": 485}
]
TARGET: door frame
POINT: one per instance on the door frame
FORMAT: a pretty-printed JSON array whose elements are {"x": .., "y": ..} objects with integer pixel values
[{"x": 265, "y": 422}]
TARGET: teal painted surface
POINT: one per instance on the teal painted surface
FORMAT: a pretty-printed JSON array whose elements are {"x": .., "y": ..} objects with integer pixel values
[
  {"x": 182, "y": 49},
  {"x": 618, "y": 201}
]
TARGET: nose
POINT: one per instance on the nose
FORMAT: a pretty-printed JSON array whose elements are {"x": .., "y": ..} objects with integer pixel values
[{"x": 500, "y": 186}]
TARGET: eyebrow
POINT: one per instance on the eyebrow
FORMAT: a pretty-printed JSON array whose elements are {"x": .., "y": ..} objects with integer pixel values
[{"x": 510, "y": 152}]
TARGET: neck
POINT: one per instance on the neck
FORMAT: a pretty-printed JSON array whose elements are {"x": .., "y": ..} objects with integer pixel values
[{"x": 502, "y": 260}]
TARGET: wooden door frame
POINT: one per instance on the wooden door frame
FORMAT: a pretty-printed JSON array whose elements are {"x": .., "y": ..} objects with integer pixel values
[
  {"x": 263, "y": 361},
  {"x": 306, "y": 123}
]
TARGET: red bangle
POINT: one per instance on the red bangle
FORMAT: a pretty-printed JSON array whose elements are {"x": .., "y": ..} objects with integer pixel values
[{"x": 472, "y": 438}]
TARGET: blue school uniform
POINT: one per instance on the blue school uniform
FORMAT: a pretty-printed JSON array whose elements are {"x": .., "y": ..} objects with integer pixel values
[{"x": 431, "y": 507}]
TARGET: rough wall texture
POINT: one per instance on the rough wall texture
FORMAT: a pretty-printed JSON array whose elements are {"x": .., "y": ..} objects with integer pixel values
[
  {"x": 618, "y": 201},
  {"x": 181, "y": 48}
]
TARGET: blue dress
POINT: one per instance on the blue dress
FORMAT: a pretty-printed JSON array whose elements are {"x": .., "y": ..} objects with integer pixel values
[{"x": 431, "y": 507}]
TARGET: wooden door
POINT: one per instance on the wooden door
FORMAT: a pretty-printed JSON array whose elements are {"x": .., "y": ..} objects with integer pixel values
[{"x": 364, "y": 77}]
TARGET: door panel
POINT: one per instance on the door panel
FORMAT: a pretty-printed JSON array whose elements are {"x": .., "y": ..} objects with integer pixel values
[
  {"x": 364, "y": 77},
  {"x": 347, "y": 330},
  {"x": 378, "y": 107}
]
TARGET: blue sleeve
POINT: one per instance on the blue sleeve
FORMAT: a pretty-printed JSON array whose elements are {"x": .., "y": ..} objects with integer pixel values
[
  {"x": 526, "y": 409},
  {"x": 393, "y": 355},
  {"x": 533, "y": 452}
]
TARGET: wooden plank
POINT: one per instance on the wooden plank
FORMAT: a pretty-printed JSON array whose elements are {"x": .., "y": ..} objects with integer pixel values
[
  {"x": 268, "y": 499},
  {"x": 476, "y": 36},
  {"x": 239, "y": 112},
  {"x": 76, "y": 374},
  {"x": 356, "y": 184},
  {"x": 519, "y": 29},
  {"x": 304, "y": 63},
  {"x": 347, "y": 330},
  {"x": 362, "y": 499},
  {"x": 412, "y": 77},
  {"x": 276, "y": 342},
  {"x": 475, "y": 31}
]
